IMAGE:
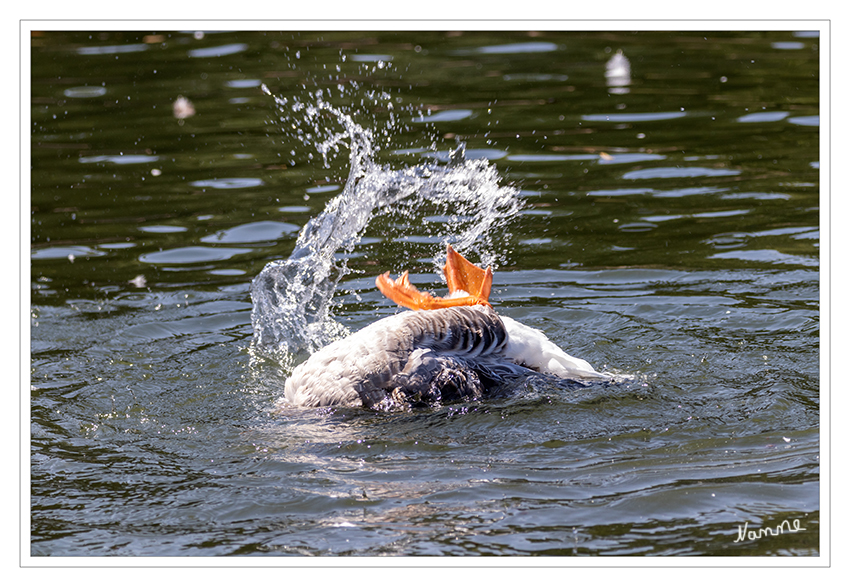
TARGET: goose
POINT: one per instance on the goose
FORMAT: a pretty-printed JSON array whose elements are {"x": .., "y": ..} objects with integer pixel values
[{"x": 447, "y": 349}]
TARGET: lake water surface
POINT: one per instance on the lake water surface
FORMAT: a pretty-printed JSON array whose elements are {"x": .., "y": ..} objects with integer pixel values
[{"x": 660, "y": 221}]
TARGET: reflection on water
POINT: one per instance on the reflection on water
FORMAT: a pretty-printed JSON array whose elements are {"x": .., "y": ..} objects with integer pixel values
[{"x": 667, "y": 227}]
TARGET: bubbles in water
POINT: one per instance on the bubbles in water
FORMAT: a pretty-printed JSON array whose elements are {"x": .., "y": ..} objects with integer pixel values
[{"x": 459, "y": 201}]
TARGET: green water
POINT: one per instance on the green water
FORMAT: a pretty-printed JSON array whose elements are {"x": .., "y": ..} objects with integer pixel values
[{"x": 670, "y": 231}]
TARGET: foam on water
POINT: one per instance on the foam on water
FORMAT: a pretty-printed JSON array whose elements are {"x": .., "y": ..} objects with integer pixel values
[{"x": 293, "y": 298}]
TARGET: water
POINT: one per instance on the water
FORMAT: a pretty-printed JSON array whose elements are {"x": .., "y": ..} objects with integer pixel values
[{"x": 662, "y": 222}]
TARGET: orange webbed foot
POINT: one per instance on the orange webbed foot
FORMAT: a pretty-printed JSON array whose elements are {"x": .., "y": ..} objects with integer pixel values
[{"x": 462, "y": 277}]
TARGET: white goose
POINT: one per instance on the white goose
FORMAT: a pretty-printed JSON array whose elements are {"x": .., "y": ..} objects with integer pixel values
[{"x": 448, "y": 349}]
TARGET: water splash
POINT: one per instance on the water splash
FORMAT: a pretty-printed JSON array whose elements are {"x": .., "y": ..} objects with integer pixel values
[{"x": 293, "y": 298}]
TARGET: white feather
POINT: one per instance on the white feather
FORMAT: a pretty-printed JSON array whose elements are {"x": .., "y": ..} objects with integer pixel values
[{"x": 530, "y": 347}]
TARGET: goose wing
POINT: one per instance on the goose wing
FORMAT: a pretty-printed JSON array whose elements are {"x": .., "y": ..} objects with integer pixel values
[{"x": 438, "y": 355}]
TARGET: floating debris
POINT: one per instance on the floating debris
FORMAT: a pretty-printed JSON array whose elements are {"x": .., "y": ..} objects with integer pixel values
[
  {"x": 183, "y": 108},
  {"x": 618, "y": 72},
  {"x": 139, "y": 281}
]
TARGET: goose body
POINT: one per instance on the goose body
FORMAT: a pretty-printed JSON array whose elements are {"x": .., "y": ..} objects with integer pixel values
[
  {"x": 428, "y": 357},
  {"x": 448, "y": 349}
]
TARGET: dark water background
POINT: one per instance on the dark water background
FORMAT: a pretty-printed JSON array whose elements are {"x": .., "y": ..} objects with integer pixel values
[{"x": 670, "y": 230}]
